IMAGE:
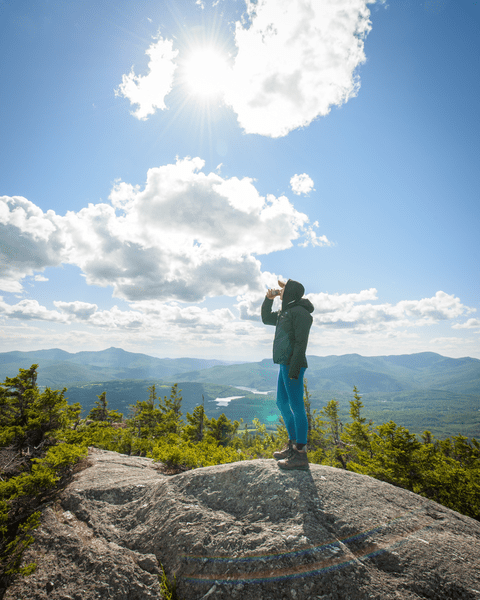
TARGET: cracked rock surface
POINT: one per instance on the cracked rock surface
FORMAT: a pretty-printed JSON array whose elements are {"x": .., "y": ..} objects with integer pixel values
[{"x": 247, "y": 530}]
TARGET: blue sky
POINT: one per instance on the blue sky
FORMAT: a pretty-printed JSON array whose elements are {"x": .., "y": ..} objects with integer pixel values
[{"x": 151, "y": 191}]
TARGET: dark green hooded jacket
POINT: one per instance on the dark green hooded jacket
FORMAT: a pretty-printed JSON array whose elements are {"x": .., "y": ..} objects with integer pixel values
[{"x": 293, "y": 324}]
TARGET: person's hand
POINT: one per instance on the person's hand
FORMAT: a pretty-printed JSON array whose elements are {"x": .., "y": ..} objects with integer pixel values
[{"x": 271, "y": 294}]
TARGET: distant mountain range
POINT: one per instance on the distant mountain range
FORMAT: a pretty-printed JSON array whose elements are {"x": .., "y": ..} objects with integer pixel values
[
  {"x": 58, "y": 369},
  {"x": 420, "y": 391},
  {"x": 426, "y": 370}
]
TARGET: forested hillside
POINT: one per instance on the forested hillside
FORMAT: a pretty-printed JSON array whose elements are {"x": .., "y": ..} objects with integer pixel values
[
  {"x": 418, "y": 391},
  {"x": 444, "y": 413},
  {"x": 374, "y": 374},
  {"x": 60, "y": 368}
]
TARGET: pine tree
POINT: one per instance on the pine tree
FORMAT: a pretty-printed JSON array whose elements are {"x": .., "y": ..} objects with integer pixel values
[
  {"x": 222, "y": 429},
  {"x": 101, "y": 413},
  {"x": 450, "y": 473},
  {"x": 30, "y": 422},
  {"x": 171, "y": 421},
  {"x": 335, "y": 454},
  {"x": 316, "y": 439},
  {"x": 357, "y": 434},
  {"x": 393, "y": 456},
  {"x": 27, "y": 416},
  {"x": 194, "y": 430},
  {"x": 146, "y": 416}
]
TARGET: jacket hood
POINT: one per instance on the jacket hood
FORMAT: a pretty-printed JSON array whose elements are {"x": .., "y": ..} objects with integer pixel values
[
  {"x": 305, "y": 303},
  {"x": 292, "y": 296}
]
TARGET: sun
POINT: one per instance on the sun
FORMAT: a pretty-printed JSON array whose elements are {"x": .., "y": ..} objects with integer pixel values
[{"x": 206, "y": 72}]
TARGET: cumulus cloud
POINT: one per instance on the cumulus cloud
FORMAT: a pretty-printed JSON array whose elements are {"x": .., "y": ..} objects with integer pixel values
[
  {"x": 31, "y": 241},
  {"x": 301, "y": 184},
  {"x": 349, "y": 311},
  {"x": 311, "y": 238},
  {"x": 30, "y": 310},
  {"x": 149, "y": 91},
  {"x": 296, "y": 59},
  {"x": 185, "y": 236},
  {"x": 80, "y": 310},
  {"x": 342, "y": 323},
  {"x": 470, "y": 324},
  {"x": 357, "y": 312}
]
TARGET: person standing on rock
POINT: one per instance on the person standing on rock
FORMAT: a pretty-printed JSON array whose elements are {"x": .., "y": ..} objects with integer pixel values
[{"x": 292, "y": 326}]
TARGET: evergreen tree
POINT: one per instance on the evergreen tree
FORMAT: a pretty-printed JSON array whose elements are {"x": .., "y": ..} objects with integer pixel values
[
  {"x": 357, "y": 434},
  {"x": 30, "y": 422},
  {"x": 312, "y": 435},
  {"x": 316, "y": 439},
  {"x": 247, "y": 438},
  {"x": 28, "y": 416},
  {"x": 171, "y": 421},
  {"x": 450, "y": 473},
  {"x": 222, "y": 429},
  {"x": 194, "y": 430},
  {"x": 101, "y": 413},
  {"x": 146, "y": 416},
  {"x": 335, "y": 453},
  {"x": 393, "y": 456}
]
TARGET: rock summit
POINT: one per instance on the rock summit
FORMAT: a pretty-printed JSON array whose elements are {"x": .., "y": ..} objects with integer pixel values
[{"x": 246, "y": 530}]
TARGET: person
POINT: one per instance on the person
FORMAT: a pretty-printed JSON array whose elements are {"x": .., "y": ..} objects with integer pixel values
[{"x": 292, "y": 326}]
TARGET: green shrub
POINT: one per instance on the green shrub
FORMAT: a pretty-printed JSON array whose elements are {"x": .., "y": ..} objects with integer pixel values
[
  {"x": 187, "y": 455},
  {"x": 30, "y": 422}
]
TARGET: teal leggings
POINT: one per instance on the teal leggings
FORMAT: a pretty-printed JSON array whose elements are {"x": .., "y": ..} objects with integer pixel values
[{"x": 291, "y": 405}]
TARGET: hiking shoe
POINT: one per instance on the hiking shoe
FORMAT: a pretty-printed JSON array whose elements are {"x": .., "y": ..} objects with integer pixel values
[
  {"x": 284, "y": 452},
  {"x": 297, "y": 460}
]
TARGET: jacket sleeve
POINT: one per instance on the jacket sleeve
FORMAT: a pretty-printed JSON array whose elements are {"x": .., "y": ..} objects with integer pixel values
[
  {"x": 302, "y": 321},
  {"x": 268, "y": 317}
]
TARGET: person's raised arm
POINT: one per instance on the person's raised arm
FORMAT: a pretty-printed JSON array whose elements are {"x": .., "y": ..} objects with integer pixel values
[{"x": 269, "y": 317}]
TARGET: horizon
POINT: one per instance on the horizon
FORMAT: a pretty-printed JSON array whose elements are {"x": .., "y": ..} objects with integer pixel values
[
  {"x": 240, "y": 361},
  {"x": 162, "y": 165}
]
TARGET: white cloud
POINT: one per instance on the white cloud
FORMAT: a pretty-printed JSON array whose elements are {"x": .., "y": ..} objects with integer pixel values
[
  {"x": 9, "y": 285},
  {"x": 345, "y": 311},
  {"x": 301, "y": 184},
  {"x": 185, "y": 236},
  {"x": 343, "y": 323},
  {"x": 80, "y": 310},
  {"x": 296, "y": 59},
  {"x": 114, "y": 318},
  {"x": 31, "y": 241},
  {"x": 30, "y": 310},
  {"x": 311, "y": 238},
  {"x": 149, "y": 91},
  {"x": 40, "y": 278},
  {"x": 470, "y": 324}
]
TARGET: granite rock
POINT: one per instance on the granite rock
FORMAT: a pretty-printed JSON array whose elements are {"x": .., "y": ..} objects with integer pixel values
[{"x": 247, "y": 530}]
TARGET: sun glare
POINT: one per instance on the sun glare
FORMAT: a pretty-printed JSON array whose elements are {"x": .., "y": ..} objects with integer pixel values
[{"x": 206, "y": 72}]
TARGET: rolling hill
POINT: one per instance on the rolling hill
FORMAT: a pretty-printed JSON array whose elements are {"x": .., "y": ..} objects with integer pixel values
[
  {"x": 420, "y": 391},
  {"x": 58, "y": 369},
  {"x": 370, "y": 374}
]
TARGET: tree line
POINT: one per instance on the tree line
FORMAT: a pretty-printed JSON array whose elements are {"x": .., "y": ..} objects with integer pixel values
[{"x": 43, "y": 440}]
